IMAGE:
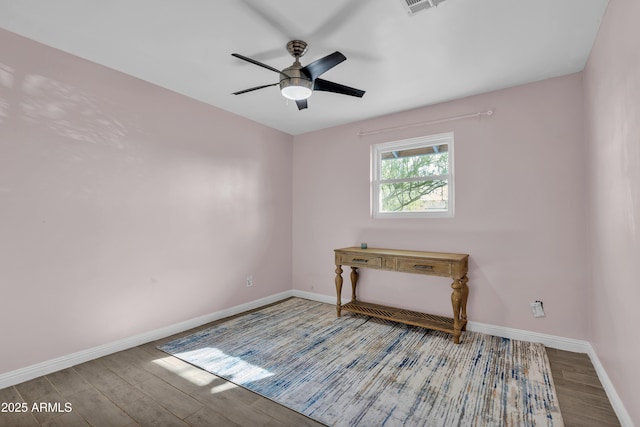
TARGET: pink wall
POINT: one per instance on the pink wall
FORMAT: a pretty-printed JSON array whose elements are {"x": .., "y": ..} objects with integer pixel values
[
  {"x": 125, "y": 207},
  {"x": 612, "y": 115},
  {"x": 520, "y": 199}
]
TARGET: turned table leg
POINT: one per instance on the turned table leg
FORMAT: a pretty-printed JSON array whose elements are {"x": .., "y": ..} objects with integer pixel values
[
  {"x": 354, "y": 282},
  {"x": 338, "y": 288},
  {"x": 463, "y": 303},
  {"x": 456, "y": 302}
]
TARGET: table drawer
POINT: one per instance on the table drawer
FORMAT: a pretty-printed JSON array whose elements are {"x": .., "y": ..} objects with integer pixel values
[
  {"x": 363, "y": 260},
  {"x": 433, "y": 268}
]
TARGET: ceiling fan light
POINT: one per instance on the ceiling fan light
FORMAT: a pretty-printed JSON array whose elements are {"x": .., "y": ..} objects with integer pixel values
[
  {"x": 296, "y": 93},
  {"x": 294, "y": 85}
]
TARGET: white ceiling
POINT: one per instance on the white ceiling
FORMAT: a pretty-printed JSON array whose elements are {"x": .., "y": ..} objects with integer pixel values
[{"x": 460, "y": 48}]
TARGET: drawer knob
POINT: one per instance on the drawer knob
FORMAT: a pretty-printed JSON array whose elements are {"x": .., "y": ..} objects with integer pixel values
[
  {"x": 360, "y": 260},
  {"x": 423, "y": 267}
]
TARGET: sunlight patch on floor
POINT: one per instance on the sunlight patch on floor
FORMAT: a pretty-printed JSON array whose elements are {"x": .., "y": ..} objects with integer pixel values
[
  {"x": 184, "y": 370},
  {"x": 231, "y": 368},
  {"x": 223, "y": 387}
]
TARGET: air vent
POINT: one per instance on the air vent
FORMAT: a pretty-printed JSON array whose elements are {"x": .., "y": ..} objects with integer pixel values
[{"x": 414, "y": 6}]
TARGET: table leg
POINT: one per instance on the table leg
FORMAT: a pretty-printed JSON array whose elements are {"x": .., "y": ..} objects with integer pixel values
[
  {"x": 354, "y": 282},
  {"x": 456, "y": 302},
  {"x": 465, "y": 296},
  {"x": 338, "y": 288}
]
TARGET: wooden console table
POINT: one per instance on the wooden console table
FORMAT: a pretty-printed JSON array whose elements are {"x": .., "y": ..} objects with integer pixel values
[{"x": 454, "y": 266}]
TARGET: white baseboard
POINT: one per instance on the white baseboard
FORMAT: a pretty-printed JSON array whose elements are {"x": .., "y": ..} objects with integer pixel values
[
  {"x": 612, "y": 394},
  {"x": 34, "y": 371},
  {"x": 561, "y": 343},
  {"x": 552, "y": 341},
  {"x": 314, "y": 297}
]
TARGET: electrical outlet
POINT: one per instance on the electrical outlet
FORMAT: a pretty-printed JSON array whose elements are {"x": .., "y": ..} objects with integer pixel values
[
  {"x": 249, "y": 281},
  {"x": 536, "y": 308}
]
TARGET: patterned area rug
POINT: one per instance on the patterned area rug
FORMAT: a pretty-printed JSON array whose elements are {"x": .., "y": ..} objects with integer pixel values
[{"x": 358, "y": 371}]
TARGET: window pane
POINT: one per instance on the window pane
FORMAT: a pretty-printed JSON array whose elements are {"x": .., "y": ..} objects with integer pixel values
[
  {"x": 417, "y": 162},
  {"x": 417, "y": 196}
]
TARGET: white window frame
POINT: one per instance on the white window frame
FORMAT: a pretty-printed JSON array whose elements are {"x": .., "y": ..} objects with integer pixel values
[{"x": 424, "y": 141}]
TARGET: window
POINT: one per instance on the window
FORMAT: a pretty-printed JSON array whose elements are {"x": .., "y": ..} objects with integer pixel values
[{"x": 413, "y": 178}]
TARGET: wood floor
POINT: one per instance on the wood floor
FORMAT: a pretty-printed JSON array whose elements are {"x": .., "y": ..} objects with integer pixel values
[
  {"x": 582, "y": 399},
  {"x": 144, "y": 386}
]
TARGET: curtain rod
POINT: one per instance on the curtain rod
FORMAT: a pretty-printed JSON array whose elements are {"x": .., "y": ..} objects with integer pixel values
[{"x": 431, "y": 122}]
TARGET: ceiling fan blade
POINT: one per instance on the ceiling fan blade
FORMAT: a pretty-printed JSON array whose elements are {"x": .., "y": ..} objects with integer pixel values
[
  {"x": 278, "y": 22},
  {"x": 253, "y": 61},
  {"x": 302, "y": 104},
  {"x": 253, "y": 88},
  {"x": 322, "y": 65},
  {"x": 327, "y": 86},
  {"x": 338, "y": 19}
]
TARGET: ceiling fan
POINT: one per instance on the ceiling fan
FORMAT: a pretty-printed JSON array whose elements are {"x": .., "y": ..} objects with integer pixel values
[{"x": 297, "y": 82}]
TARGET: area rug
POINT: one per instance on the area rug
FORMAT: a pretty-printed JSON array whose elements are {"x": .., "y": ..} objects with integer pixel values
[{"x": 359, "y": 371}]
